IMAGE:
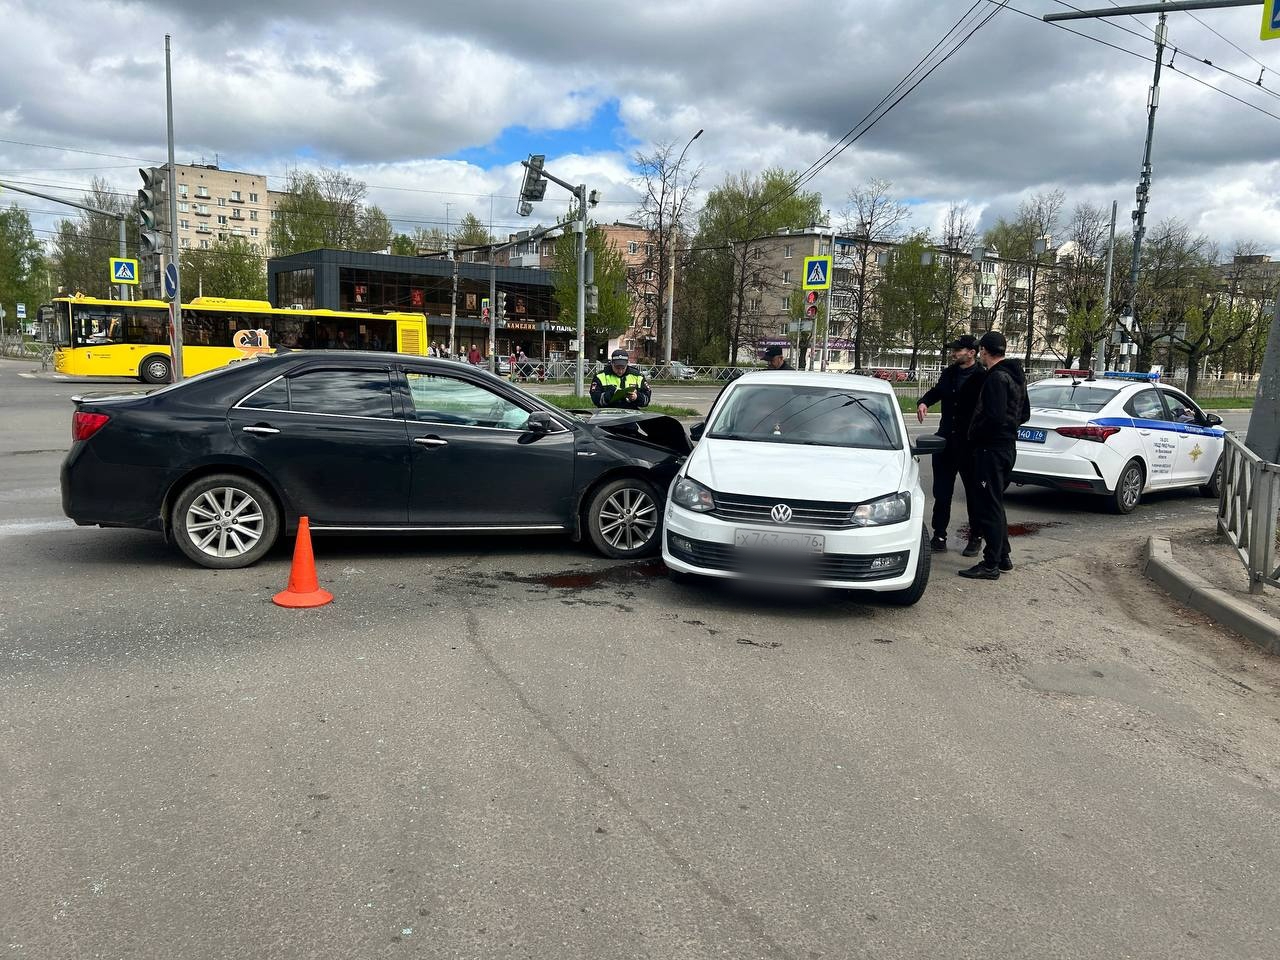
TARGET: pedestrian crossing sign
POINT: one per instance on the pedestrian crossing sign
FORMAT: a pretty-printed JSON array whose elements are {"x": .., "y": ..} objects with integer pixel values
[
  {"x": 817, "y": 273},
  {"x": 124, "y": 270},
  {"x": 1271, "y": 20}
]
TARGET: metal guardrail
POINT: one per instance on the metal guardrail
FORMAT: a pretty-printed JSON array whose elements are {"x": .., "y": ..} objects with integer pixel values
[{"x": 1247, "y": 507}]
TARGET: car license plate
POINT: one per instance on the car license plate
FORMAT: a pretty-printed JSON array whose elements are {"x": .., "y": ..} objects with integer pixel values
[
  {"x": 781, "y": 542},
  {"x": 1031, "y": 435}
]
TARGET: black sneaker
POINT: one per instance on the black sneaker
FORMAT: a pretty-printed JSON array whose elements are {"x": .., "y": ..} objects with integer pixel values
[
  {"x": 939, "y": 544},
  {"x": 980, "y": 572},
  {"x": 1006, "y": 564},
  {"x": 972, "y": 548}
]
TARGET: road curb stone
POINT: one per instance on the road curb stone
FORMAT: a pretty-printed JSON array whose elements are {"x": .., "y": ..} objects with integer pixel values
[{"x": 1219, "y": 605}]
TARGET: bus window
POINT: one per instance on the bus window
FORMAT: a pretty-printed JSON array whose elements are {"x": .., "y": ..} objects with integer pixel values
[
  {"x": 146, "y": 326},
  {"x": 94, "y": 326}
]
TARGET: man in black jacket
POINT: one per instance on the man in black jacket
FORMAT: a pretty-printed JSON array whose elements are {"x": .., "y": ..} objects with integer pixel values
[
  {"x": 1002, "y": 407},
  {"x": 957, "y": 389}
]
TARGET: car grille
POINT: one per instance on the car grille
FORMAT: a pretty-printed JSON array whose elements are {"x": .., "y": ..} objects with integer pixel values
[
  {"x": 813, "y": 514},
  {"x": 844, "y": 567}
]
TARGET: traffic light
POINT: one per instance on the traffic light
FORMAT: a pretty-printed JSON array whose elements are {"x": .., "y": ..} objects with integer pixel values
[
  {"x": 502, "y": 307},
  {"x": 811, "y": 305},
  {"x": 534, "y": 186},
  {"x": 149, "y": 199},
  {"x": 592, "y": 305}
]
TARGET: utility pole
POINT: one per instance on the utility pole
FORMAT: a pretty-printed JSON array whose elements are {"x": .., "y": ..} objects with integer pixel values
[
  {"x": 1100, "y": 348},
  {"x": 176, "y": 306},
  {"x": 453, "y": 303}
]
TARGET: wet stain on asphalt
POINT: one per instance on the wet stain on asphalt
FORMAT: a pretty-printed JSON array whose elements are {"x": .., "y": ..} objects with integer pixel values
[
  {"x": 589, "y": 579},
  {"x": 1027, "y": 529}
]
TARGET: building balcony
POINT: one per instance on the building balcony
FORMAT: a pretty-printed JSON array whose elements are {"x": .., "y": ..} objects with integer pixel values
[{"x": 202, "y": 213}]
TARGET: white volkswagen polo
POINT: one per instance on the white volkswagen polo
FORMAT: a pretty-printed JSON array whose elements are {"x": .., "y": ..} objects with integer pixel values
[{"x": 803, "y": 478}]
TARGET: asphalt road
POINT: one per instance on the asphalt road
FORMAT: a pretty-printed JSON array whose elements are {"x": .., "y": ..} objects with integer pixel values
[{"x": 498, "y": 748}]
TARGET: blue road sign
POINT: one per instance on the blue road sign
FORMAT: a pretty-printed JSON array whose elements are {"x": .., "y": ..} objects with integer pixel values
[
  {"x": 124, "y": 270},
  {"x": 170, "y": 280},
  {"x": 817, "y": 273}
]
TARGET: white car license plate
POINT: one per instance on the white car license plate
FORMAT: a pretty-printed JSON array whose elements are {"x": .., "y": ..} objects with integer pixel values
[{"x": 783, "y": 542}]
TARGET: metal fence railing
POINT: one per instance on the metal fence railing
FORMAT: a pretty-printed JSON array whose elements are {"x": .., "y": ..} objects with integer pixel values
[{"x": 1247, "y": 505}]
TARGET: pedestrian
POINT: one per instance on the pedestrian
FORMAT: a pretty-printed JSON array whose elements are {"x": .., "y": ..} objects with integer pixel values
[
  {"x": 620, "y": 385},
  {"x": 957, "y": 389},
  {"x": 473, "y": 356},
  {"x": 1002, "y": 407},
  {"x": 774, "y": 359},
  {"x": 522, "y": 364}
]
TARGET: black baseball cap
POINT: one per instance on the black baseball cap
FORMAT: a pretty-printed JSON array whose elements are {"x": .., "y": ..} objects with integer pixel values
[
  {"x": 994, "y": 343},
  {"x": 771, "y": 352},
  {"x": 966, "y": 342},
  {"x": 619, "y": 355}
]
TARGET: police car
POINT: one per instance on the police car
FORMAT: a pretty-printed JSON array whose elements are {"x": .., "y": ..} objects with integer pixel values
[{"x": 1118, "y": 436}]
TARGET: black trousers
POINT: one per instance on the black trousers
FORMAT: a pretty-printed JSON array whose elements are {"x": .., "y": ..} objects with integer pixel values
[
  {"x": 956, "y": 459},
  {"x": 992, "y": 467}
]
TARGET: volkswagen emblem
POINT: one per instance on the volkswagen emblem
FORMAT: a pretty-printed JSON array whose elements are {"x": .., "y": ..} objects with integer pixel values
[{"x": 780, "y": 513}]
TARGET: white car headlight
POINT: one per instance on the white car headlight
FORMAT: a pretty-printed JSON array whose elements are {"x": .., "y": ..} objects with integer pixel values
[
  {"x": 894, "y": 508},
  {"x": 692, "y": 495}
]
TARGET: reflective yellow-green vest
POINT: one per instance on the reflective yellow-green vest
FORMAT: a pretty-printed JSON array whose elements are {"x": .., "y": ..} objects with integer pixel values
[{"x": 626, "y": 383}]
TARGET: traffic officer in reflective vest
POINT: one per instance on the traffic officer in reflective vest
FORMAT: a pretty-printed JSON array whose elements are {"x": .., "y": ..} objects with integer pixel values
[{"x": 620, "y": 385}]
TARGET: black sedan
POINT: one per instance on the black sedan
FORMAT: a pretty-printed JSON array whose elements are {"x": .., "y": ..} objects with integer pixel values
[{"x": 370, "y": 443}]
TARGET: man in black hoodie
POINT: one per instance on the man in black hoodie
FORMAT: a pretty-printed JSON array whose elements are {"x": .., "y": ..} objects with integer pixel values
[
  {"x": 957, "y": 388},
  {"x": 1002, "y": 407}
]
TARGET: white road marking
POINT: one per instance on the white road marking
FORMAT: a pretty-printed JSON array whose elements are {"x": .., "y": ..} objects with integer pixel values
[{"x": 20, "y": 528}]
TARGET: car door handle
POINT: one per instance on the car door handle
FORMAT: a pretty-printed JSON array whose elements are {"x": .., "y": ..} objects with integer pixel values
[
  {"x": 260, "y": 429},
  {"x": 431, "y": 441}
]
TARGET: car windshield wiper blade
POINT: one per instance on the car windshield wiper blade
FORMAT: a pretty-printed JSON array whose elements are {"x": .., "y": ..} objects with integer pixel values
[
  {"x": 861, "y": 401},
  {"x": 730, "y": 436}
]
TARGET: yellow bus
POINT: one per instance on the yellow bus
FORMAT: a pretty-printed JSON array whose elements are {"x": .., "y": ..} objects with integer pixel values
[{"x": 130, "y": 338}]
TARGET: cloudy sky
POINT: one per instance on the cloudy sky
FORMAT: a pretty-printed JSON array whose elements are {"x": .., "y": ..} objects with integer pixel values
[{"x": 434, "y": 103}]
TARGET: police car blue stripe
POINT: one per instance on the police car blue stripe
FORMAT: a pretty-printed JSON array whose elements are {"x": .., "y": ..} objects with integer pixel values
[{"x": 1164, "y": 425}]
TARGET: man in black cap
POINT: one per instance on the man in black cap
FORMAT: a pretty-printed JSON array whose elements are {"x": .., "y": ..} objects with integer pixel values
[
  {"x": 620, "y": 385},
  {"x": 1002, "y": 406},
  {"x": 775, "y": 360},
  {"x": 957, "y": 389}
]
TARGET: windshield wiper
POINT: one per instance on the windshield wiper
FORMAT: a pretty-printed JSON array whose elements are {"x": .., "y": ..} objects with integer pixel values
[
  {"x": 860, "y": 401},
  {"x": 730, "y": 436}
]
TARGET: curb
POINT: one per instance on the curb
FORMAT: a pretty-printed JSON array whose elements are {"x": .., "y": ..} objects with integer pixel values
[{"x": 1219, "y": 605}]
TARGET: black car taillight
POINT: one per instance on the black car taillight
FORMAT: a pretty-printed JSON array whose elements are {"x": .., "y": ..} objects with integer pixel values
[{"x": 85, "y": 425}]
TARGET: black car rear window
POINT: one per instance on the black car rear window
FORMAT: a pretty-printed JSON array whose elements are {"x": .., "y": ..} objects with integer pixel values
[
  {"x": 1063, "y": 395},
  {"x": 346, "y": 393}
]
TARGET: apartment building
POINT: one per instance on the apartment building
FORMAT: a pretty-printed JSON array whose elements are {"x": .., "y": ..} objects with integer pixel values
[
  {"x": 639, "y": 257},
  {"x": 216, "y": 204},
  {"x": 992, "y": 292}
]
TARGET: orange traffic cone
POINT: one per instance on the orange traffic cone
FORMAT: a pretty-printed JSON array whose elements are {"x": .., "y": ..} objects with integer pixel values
[{"x": 303, "y": 589}]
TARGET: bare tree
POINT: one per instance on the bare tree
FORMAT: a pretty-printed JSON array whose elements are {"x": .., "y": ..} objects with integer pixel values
[
  {"x": 666, "y": 186},
  {"x": 1082, "y": 278},
  {"x": 1037, "y": 220},
  {"x": 872, "y": 216},
  {"x": 954, "y": 266}
]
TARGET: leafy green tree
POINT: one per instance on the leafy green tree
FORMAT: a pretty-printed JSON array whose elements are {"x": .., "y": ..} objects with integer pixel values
[
  {"x": 21, "y": 263},
  {"x": 327, "y": 209},
  {"x": 614, "y": 315},
  {"x": 744, "y": 209},
  {"x": 84, "y": 246},
  {"x": 907, "y": 291},
  {"x": 402, "y": 245},
  {"x": 228, "y": 268},
  {"x": 471, "y": 232}
]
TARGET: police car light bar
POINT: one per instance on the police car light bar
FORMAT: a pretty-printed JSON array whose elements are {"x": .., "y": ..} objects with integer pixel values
[
  {"x": 1073, "y": 373},
  {"x": 1134, "y": 375}
]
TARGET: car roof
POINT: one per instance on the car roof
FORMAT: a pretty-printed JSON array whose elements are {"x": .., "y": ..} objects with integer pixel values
[{"x": 805, "y": 378}]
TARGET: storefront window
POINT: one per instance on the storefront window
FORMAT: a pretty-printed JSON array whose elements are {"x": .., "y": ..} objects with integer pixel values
[{"x": 296, "y": 286}]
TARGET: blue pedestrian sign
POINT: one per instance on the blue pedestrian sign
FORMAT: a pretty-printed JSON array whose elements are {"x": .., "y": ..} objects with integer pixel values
[
  {"x": 124, "y": 270},
  {"x": 171, "y": 280},
  {"x": 817, "y": 273},
  {"x": 1271, "y": 20}
]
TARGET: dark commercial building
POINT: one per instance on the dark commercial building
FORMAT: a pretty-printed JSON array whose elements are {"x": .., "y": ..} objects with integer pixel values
[{"x": 380, "y": 283}]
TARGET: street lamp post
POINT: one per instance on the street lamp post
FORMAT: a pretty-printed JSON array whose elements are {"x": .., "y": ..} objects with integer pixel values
[{"x": 671, "y": 256}]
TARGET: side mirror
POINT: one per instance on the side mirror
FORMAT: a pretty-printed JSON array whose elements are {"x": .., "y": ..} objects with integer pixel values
[
  {"x": 929, "y": 443},
  {"x": 696, "y": 431},
  {"x": 1213, "y": 419},
  {"x": 539, "y": 422}
]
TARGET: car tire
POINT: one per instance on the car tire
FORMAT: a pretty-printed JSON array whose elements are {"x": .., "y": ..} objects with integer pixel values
[
  {"x": 157, "y": 368},
  {"x": 1213, "y": 488},
  {"x": 624, "y": 519},
  {"x": 912, "y": 594},
  {"x": 213, "y": 541},
  {"x": 1128, "y": 492}
]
